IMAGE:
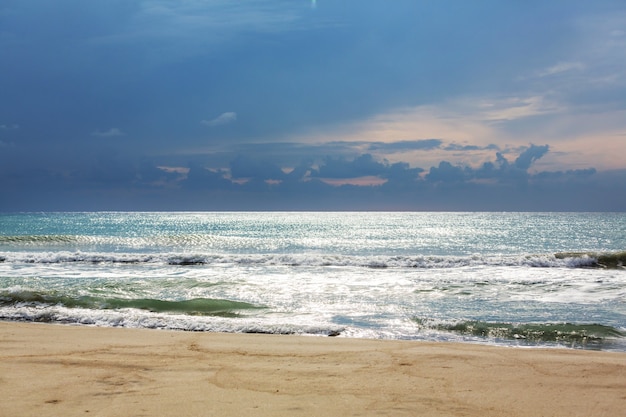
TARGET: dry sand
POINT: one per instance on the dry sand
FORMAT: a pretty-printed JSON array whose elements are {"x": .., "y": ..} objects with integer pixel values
[{"x": 53, "y": 370}]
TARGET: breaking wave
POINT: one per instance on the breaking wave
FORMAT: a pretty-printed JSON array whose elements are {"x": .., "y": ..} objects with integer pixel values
[
  {"x": 195, "y": 315},
  {"x": 193, "y": 307},
  {"x": 571, "y": 334},
  {"x": 560, "y": 260}
]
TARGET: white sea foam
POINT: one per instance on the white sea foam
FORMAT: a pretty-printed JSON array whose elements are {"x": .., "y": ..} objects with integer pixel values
[{"x": 373, "y": 261}]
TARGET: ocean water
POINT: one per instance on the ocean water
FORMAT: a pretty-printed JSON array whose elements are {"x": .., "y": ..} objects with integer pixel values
[{"x": 522, "y": 279}]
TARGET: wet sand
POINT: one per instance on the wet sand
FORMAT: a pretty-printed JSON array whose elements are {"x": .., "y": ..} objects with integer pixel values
[{"x": 54, "y": 370}]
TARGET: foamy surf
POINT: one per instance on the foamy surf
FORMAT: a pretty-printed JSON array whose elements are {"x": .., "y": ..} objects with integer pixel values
[{"x": 518, "y": 279}]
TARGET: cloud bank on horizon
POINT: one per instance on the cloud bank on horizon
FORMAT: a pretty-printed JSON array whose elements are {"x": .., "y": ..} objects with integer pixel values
[{"x": 296, "y": 104}]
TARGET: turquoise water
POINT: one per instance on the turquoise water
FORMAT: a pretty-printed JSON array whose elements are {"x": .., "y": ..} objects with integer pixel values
[{"x": 495, "y": 278}]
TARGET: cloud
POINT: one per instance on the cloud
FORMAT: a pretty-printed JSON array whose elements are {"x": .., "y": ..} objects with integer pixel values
[
  {"x": 363, "y": 183},
  {"x": 514, "y": 108},
  {"x": 247, "y": 167},
  {"x": 222, "y": 119},
  {"x": 199, "y": 177},
  {"x": 114, "y": 131},
  {"x": 530, "y": 155},
  {"x": 179, "y": 30},
  {"x": 218, "y": 15},
  {"x": 465, "y": 148},
  {"x": 404, "y": 145},
  {"x": 573, "y": 174},
  {"x": 482, "y": 120},
  {"x": 362, "y": 166},
  {"x": 365, "y": 170},
  {"x": 446, "y": 172},
  {"x": 560, "y": 68},
  {"x": 500, "y": 171},
  {"x": 9, "y": 127},
  {"x": 371, "y": 80}
]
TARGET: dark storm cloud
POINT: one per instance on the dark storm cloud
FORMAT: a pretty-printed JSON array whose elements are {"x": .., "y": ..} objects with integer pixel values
[
  {"x": 446, "y": 172},
  {"x": 572, "y": 174},
  {"x": 530, "y": 155},
  {"x": 287, "y": 153},
  {"x": 401, "y": 174},
  {"x": 362, "y": 166},
  {"x": 250, "y": 167},
  {"x": 200, "y": 178},
  {"x": 366, "y": 165},
  {"x": 106, "y": 180},
  {"x": 501, "y": 170},
  {"x": 348, "y": 155}
]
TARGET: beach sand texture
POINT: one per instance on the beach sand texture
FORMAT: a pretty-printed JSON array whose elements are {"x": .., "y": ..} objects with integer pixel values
[{"x": 55, "y": 370}]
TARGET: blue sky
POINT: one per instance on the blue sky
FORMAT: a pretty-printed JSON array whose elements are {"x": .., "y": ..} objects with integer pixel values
[{"x": 312, "y": 105}]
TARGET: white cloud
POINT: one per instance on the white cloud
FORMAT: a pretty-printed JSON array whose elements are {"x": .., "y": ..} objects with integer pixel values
[
  {"x": 476, "y": 120},
  {"x": 222, "y": 119},
  {"x": 512, "y": 108},
  {"x": 599, "y": 55},
  {"x": 561, "y": 67},
  {"x": 579, "y": 139},
  {"x": 112, "y": 132}
]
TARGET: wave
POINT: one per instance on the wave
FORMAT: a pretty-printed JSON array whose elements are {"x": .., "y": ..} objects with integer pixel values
[
  {"x": 194, "y": 307},
  {"x": 40, "y": 239},
  {"x": 615, "y": 260},
  {"x": 176, "y": 323},
  {"x": 561, "y": 333},
  {"x": 224, "y": 320},
  {"x": 163, "y": 240}
]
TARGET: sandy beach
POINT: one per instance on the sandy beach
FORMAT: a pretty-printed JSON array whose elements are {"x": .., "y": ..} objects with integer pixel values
[{"x": 48, "y": 370}]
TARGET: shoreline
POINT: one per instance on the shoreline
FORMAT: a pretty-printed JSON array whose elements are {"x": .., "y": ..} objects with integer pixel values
[{"x": 52, "y": 369}]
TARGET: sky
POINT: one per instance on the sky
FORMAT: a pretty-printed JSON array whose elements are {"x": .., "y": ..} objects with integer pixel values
[{"x": 313, "y": 105}]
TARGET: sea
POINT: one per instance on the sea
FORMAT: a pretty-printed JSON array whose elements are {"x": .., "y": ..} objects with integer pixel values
[{"x": 511, "y": 279}]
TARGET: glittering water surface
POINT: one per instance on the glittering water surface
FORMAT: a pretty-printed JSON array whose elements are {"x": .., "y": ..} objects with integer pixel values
[{"x": 480, "y": 277}]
